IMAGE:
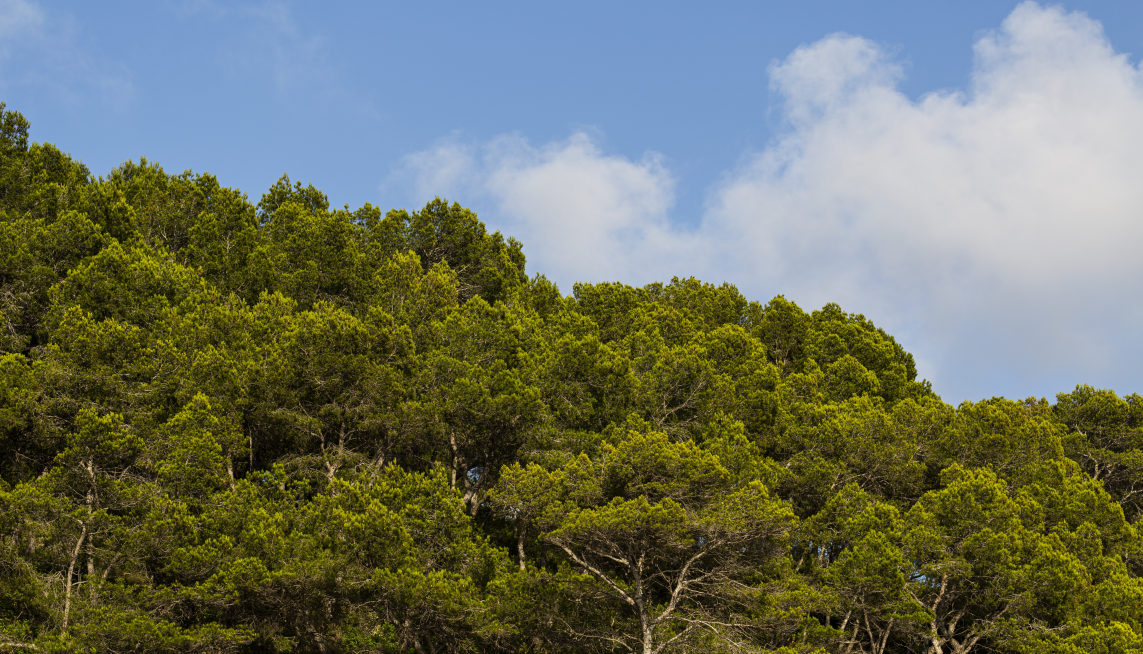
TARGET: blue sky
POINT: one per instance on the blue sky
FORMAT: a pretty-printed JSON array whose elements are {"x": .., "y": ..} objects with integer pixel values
[{"x": 961, "y": 172}]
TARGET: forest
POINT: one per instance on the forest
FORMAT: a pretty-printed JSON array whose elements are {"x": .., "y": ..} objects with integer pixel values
[{"x": 229, "y": 426}]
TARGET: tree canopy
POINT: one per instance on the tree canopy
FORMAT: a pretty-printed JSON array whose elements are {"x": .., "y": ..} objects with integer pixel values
[{"x": 281, "y": 426}]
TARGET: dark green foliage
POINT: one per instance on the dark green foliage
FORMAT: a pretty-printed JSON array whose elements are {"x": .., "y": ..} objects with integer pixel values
[
  {"x": 290, "y": 428},
  {"x": 1105, "y": 435},
  {"x": 485, "y": 264}
]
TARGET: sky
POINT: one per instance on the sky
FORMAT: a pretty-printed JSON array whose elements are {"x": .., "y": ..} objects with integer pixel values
[{"x": 965, "y": 174}]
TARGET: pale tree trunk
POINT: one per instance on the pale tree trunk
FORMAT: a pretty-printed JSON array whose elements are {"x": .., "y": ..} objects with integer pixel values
[
  {"x": 341, "y": 439},
  {"x": 845, "y": 622},
  {"x": 965, "y": 647},
  {"x": 459, "y": 479},
  {"x": 852, "y": 637},
  {"x": 877, "y": 644},
  {"x": 70, "y": 570},
  {"x": 320, "y": 642},
  {"x": 107, "y": 570},
  {"x": 68, "y": 585},
  {"x": 456, "y": 460},
  {"x": 420, "y": 647},
  {"x": 641, "y": 606},
  {"x": 520, "y": 532},
  {"x": 936, "y": 642},
  {"x": 884, "y": 639},
  {"x": 332, "y": 468},
  {"x": 376, "y": 467}
]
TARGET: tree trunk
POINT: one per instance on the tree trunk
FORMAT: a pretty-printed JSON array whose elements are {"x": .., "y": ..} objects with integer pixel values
[
  {"x": 880, "y": 649},
  {"x": 90, "y": 560},
  {"x": 641, "y": 607},
  {"x": 70, "y": 570},
  {"x": 318, "y": 637},
  {"x": 456, "y": 461},
  {"x": 520, "y": 531}
]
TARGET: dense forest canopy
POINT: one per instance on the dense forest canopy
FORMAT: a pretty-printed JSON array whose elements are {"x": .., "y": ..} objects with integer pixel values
[{"x": 282, "y": 426}]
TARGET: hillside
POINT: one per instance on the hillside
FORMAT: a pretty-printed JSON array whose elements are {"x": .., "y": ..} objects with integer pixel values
[{"x": 229, "y": 426}]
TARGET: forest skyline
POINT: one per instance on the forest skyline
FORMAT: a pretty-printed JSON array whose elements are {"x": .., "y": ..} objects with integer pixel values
[
  {"x": 755, "y": 327},
  {"x": 287, "y": 427},
  {"x": 962, "y": 172}
]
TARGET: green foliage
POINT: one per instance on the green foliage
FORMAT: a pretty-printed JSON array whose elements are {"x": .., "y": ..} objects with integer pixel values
[
  {"x": 662, "y": 528},
  {"x": 35, "y": 254},
  {"x": 1105, "y": 436},
  {"x": 295, "y": 428},
  {"x": 485, "y": 264}
]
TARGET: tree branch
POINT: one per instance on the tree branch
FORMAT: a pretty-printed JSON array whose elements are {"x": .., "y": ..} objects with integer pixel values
[{"x": 593, "y": 570}]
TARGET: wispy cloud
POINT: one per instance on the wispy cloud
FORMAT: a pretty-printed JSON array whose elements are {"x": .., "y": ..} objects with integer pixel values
[
  {"x": 46, "y": 51},
  {"x": 995, "y": 229},
  {"x": 270, "y": 48},
  {"x": 17, "y": 18},
  {"x": 279, "y": 46},
  {"x": 189, "y": 8}
]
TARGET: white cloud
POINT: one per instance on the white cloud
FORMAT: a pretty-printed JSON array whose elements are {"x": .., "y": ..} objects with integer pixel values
[
  {"x": 583, "y": 215},
  {"x": 604, "y": 217},
  {"x": 446, "y": 169},
  {"x": 995, "y": 230}
]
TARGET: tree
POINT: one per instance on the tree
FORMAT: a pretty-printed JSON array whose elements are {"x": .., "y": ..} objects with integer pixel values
[
  {"x": 293, "y": 427},
  {"x": 1105, "y": 435},
  {"x": 413, "y": 296},
  {"x": 37, "y": 180},
  {"x": 485, "y": 264},
  {"x": 659, "y": 528},
  {"x": 852, "y": 548},
  {"x": 83, "y": 507},
  {"x": 782, "y": 327},
  {"x": 477, "y": 404},
  {"x": 349, "y": 379},
  {"x": 995, "y": 568}
]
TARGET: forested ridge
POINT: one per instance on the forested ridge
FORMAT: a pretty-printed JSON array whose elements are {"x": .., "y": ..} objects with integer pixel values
[{"x": 229, "y": 426}]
